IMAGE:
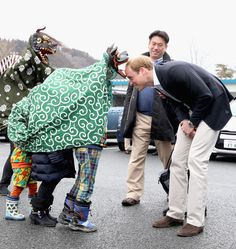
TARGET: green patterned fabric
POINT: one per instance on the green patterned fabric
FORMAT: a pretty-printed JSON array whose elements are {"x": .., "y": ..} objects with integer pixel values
[
  {"x": 68, "y": 110},
  {"x": 16, "y": 82}
]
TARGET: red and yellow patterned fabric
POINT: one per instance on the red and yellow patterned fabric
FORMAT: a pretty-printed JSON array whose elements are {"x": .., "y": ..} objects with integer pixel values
[
  {"x": 20, "y": 159},
  {"x": 22, "y": 177}
]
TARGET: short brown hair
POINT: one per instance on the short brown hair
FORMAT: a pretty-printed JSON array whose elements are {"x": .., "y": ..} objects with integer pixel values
[{"x": 140, "y": 61}]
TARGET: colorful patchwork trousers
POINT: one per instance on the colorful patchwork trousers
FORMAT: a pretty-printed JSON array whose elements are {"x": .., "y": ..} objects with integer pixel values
[{"x": 88, "y": 159}]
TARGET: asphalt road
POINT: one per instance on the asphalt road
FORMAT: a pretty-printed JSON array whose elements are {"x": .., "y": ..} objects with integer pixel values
[{"x": 128, "y": 227}]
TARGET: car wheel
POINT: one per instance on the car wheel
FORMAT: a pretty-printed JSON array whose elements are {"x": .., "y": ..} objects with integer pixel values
[{"x": 121, "y": 146}]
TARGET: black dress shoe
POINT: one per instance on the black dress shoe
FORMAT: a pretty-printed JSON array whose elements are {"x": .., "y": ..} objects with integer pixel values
[{"x": 130, "y": 202}]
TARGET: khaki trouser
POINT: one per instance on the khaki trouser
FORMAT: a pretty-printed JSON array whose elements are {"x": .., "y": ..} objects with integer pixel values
[
  {"x": 193, "y": 155},
  {"x": 127, "y": 143},
  {"x": 140, "y": 143}
]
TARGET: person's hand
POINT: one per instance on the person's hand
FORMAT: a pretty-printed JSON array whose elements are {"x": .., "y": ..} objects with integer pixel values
[
  {"x": 187, "y": 130},
  {"x": 162, "y": 96}
]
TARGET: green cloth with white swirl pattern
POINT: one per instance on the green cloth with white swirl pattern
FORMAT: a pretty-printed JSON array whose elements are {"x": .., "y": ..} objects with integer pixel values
[
  {"x": 68, "y": 110},
  {"x": 16, "y": 82}
]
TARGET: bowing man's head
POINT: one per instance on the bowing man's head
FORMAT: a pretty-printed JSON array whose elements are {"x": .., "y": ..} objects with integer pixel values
[{"x": 139, "y": 71}]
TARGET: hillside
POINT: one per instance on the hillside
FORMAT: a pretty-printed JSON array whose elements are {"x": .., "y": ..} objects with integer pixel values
[{"x": 65, "y": 57}]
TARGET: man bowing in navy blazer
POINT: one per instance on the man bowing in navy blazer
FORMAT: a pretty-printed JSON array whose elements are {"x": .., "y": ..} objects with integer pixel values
[{"x": 201, "y": 103}]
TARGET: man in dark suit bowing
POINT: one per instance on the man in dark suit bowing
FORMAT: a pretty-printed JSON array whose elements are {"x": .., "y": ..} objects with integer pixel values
[{"x": 201, "y": 103}]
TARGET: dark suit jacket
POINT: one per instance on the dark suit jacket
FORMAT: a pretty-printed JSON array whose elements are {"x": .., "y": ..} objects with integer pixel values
[{"x": 196, "y": 90}]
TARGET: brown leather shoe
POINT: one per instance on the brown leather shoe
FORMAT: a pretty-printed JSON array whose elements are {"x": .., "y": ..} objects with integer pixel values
[
  {"x": 130, "y": 202},
  {"x": 167, "y": 222},
  {"x": 189, "y": 230}
]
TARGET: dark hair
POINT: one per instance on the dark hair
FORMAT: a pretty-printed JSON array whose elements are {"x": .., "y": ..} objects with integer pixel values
[{"x": 161, "y": 34}]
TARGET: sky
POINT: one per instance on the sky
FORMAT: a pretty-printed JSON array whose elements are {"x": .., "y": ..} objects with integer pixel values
[{"x": 201, "y": 31}]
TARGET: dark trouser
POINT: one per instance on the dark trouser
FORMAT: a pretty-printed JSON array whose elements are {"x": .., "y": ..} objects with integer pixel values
[
  {"x": 44, "y": 198},
  {"x": 7, "y": 170}
]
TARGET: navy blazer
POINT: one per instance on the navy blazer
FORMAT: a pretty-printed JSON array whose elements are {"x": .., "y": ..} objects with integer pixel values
[{"x": 198, "y": 95}]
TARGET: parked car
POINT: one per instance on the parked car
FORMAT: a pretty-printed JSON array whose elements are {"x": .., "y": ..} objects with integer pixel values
[
  {"x": 226, "y": 142},
  {"x": 113, "y": 116},
  {"x": 115, "y": 112}
]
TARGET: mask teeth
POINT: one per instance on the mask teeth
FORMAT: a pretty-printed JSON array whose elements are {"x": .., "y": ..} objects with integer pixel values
[{"x": 43, "y": 58}]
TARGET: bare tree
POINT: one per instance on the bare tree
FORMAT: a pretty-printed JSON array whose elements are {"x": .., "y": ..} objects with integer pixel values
[{"x": 195, "y": 56}]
